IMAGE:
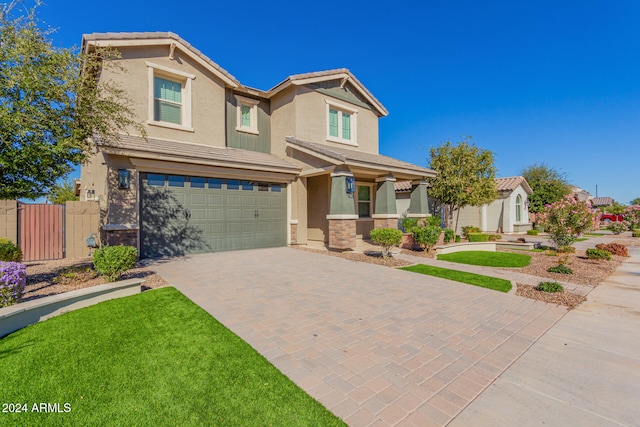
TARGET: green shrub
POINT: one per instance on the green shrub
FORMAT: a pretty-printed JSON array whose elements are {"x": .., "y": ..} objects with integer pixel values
[
  {"x": 112, "y": 261},
  {"x": 532, "y": 232},
  {"x": 10, "y": 252},
  {"x": 494, "y": 237},
  {"x": 598, "y": 254},
  {"x": 4, "y": 240},
  {"x": 426, "y": 237},
  {"x": 560, "y": 268},
  {"x": 448, "y": 235},
  {"x": 458, "y": 238},
  {"x": 469, "y": 229},
  {"x": 636, "y": 233},
  {"x": 408, "y": 224},
  {"x": 549, "y": 287},
  {"x": 387, "y": 238},
  {"x": 478, "y": 237},
  {"x": 433, "y": 221}
]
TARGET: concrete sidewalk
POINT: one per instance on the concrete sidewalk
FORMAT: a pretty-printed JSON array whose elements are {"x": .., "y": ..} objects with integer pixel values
[{"x": 584, "y": 371}]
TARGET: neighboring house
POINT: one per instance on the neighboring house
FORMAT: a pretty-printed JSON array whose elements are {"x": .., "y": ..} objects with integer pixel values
[
  {"x": 509, "y": 213},
  {"x": 225, "y": 166},
  {"x": 603, "y": 202},
  {"x": 580, "y": 194}
]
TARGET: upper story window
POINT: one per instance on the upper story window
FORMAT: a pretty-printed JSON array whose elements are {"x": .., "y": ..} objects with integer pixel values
[
  {"x": 341, "y": 123},
  {"x": 247, "y": 114},
  {"x": 169, "y": 97}
]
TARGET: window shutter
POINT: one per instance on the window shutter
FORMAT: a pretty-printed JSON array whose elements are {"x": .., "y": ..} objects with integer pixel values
[
  {"x": 346, "y": 126},
  {"x": 333, "y": 122}
]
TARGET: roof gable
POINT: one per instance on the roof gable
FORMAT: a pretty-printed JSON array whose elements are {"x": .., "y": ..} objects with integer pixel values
[
  {"x": 171, "y": 40},
  {"x": 512, "y": 182},
  {"x": 341, "y": 75}
]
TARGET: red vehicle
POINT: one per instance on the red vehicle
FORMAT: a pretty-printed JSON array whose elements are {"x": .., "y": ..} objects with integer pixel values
[{"x": 607, "y": 218}]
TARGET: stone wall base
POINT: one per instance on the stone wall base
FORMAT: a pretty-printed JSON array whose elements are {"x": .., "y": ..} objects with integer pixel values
[
  {"x": 294, "y": 234},
  {"x": 385, "y": 223},
  {"x": 121, "y": 237},
  {"x": 342, "y": 234}
]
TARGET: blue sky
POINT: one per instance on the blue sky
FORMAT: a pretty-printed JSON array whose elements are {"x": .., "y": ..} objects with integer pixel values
[{"x": 534, "y": 81}]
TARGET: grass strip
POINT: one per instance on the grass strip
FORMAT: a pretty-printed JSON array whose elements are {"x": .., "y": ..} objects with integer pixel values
[
  {"x": 153, "y": 359},
  {"x": 487, "y": 258},
  {"x": 494, "y": 283}
]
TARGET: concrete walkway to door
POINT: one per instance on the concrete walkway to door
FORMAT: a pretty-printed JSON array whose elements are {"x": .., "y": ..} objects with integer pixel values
[{"x": 376, "y": 346}]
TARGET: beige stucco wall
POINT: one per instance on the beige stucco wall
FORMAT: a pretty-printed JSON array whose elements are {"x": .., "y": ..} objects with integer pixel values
[
  {"x": 302, "y": 112},
  {"x": 9, "y": 220},
  {"x": 318, "y": 197},
  {"x": 469, "y": 215},
  {"x": 82, "y": 219},
  {"x": 207, "y": 94},
  {"x": 509, "y": 226},
  {"x": 493, "y": 218}
]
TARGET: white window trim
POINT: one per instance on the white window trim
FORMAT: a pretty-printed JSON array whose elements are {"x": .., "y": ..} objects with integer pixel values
[
  {"x": 331, "y": 104},
  {"x": 253, "y": 114},
  {"x": 185, "y": 80}
]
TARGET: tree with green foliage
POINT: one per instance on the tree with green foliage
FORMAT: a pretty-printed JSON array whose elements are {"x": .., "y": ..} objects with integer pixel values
[
  {"x": 615, "y": 208},
  {"x": 465, "y": 177},
  {"x": 50, "y": 105},
  {"x": 548, "y": 185},
  {"x": 62, "y": 192},
  {"x": 635, "y": 201}
]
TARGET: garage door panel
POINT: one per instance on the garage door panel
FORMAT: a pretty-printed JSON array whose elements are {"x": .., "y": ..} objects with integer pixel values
[
  {"x": 214, "y": 215},
  {"x": 233, "y": 200}
]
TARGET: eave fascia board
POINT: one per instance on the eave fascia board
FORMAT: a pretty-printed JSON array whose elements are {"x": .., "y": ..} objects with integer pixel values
[{"x": 196, "y": 160}]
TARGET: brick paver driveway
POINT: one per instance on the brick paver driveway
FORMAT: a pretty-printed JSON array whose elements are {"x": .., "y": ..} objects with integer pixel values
[{"x": 373, "y": 344}]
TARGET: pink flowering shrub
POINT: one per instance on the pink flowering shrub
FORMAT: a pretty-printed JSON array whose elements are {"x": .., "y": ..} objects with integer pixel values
[
  {"x": 619, "y": 226},
  {"x": 13, "y": 279},
  {"x": 632, "y": 215},
  {"x": 566, "y": 219}
]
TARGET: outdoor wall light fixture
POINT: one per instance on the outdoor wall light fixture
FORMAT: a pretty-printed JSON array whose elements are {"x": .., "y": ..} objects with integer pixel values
[
  {"x": 124, "y": 179},
  {"x": 351, "y": 185}
]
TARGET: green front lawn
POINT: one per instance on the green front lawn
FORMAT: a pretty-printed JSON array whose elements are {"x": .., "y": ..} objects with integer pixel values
[
  {"x": 153, "y": 359},
  {"x": 488, "y": 259},
  {"x": 494, "y": 283}
]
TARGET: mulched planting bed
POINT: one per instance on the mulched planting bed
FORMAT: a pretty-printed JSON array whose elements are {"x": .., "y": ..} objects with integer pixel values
[
  {"x": 562, "y": 298},
  {"x": 46, "y": 278},
  {"x": 371, "y": 258}
]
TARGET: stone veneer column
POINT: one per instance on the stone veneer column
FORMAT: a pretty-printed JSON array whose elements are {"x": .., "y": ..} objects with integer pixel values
[
  {"x": 385, "y": 214},
  {"x": 419, "y": 204},
  {"x": 294, "y": 231},
  {"x": 342, "y": 212}
]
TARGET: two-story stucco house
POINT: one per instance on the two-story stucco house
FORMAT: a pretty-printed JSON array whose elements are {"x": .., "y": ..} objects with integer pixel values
[{"x": 225, "y": 166}]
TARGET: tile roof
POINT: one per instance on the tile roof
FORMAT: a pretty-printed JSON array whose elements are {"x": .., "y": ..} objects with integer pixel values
[
  {"x": 402, "y": 186},
  {"x": 512, "y": 182},
  {"x": 359, "y": 158},
  {"x": 503, "y": 184},
  {"x": 199, "y": 154},
  {"x": 602, "y": 201}
]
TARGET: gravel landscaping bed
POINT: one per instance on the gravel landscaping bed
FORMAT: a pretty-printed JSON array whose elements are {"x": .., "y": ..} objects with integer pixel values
[
  {"x": 585, "y": 271},
  {"x": 45, "y": 278},
  {"x": 562, "y": 298}
]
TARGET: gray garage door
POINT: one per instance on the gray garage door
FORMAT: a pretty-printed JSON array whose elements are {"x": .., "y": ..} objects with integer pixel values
[{"x": 184, "y": 214}]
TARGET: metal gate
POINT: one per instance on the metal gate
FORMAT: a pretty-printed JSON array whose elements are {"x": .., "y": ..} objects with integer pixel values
[{"x": 41, "y": 231}]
